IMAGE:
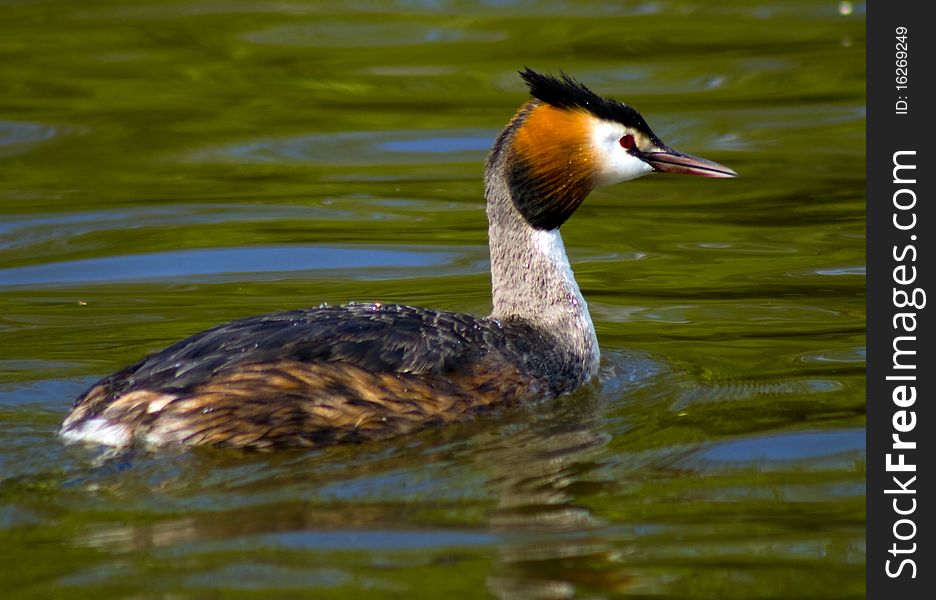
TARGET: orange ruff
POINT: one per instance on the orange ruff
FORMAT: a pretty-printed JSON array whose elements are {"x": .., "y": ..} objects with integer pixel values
[{"x": 556, "y": 144}]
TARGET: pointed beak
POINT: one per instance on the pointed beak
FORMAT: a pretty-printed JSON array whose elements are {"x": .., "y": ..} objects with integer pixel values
[{"x": 668, "y": 160}]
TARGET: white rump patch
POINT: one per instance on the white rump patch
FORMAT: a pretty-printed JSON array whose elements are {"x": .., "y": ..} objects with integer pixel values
[{"x": 97, "y": 431}]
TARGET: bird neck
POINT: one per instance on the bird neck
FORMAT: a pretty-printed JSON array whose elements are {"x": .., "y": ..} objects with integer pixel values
[{"x": 531, "y": 276}]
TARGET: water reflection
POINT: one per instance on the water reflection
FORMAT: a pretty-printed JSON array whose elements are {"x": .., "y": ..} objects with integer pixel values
[
  {"x": 582, "y": 494},
  {"x": 538, "y": 480},
  {"x": 149, "y": 150},
  {"x": 350, "y": 34},
  {"x": 362, "y": 148},
  {"x": 535, "y": 467},
  {"x": 18, "y": 137},
  {"x": 534, "y": 482},
  {"x": 233, "y": 263}
]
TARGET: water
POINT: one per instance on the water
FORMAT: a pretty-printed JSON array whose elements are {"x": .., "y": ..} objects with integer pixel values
[{"x": 167, "y": 166}]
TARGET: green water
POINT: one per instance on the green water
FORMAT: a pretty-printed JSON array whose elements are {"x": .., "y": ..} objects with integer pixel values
[{"x": 166, "y": 166}]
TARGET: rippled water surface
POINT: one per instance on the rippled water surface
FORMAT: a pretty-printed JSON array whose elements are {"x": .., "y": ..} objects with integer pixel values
[{"x": 166, "y": 166}]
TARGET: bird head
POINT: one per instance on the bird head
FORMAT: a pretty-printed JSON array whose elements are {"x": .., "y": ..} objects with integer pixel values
[{"x": 567, "y": 140}]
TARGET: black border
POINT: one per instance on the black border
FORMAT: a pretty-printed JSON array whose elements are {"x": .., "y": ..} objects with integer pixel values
[{"x": 887, "y": 133}]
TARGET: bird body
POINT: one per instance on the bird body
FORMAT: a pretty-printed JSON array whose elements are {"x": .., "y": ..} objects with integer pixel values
[{"x": 367, "y": 371}]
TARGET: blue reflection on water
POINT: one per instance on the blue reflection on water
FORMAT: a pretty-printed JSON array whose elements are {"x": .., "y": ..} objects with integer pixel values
[
  {"x": 788, "y": 447},
  {"x": 217, "y": 261}
]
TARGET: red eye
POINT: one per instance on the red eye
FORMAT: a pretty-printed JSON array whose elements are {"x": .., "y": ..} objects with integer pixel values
[{"x": 627, "y": 141}]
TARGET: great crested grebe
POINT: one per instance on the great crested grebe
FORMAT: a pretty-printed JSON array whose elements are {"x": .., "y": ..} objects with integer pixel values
[{"x": 345, "y": 373}]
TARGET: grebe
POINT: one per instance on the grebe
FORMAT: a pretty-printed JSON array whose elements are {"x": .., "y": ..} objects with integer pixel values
[{"x": 345, "y": 373}]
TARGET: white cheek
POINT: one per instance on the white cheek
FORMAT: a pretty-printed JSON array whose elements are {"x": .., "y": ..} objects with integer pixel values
[{"x": 613, "y": 163}]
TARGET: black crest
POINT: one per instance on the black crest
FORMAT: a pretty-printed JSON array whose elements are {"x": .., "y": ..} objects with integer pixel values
[{"x": 566, "y": 92}]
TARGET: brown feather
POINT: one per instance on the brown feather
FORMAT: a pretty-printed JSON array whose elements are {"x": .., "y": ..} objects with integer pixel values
[
  {"x": 554, "y": 162},
  {"x": 289, "y": 403}
]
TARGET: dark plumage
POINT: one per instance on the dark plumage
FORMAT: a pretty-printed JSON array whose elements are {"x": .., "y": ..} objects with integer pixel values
[
  {"x": 329, "y": 374},
  {"x": 326, "y": 375},
  {"x": 568, "y": 93}
]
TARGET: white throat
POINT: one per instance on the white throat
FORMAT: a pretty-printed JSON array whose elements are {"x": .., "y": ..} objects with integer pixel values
[{"x": 533, "y": 280}]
